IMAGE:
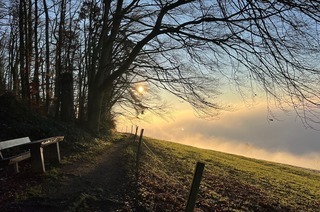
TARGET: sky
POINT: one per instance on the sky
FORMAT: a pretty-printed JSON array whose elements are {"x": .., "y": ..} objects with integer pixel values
[{"x": 247, "y": 130}]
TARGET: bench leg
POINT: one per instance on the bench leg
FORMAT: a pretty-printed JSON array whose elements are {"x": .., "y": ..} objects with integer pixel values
[
  {"x": 52, "y": 153},
  {"x": 16, "y": 167},
  {"x": 37, "y": 160},
  {"x": 13, "y": 168}
]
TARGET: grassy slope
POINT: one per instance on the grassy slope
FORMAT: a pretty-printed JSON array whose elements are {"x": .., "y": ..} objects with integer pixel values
[{"x": 229, "y": 183}]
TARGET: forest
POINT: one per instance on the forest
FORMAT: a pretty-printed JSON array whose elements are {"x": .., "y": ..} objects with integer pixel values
[{"x": 82, "y": 61}]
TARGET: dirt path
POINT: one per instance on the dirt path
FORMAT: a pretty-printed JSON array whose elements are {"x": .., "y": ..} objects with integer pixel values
[{"x": 99, "y": 185}]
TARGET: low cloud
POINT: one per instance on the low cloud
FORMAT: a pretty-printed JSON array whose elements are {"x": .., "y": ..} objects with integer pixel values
[{"x": 247, "y": 132}]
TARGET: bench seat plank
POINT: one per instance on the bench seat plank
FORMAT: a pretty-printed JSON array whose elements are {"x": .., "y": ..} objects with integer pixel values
[
  {"x": 48, "y": 141},
  {"x": 14, "y": 142},
  {"x": 18, "y": 158}
]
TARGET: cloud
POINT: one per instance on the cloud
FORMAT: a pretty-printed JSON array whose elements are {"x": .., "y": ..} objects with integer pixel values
[{"x": 245, "y": 132}]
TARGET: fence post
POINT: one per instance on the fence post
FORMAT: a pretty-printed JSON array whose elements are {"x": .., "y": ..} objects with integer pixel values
[
  {"x": 135, "y": 135},
  {"x": 195, "y": 187},
  {"x": 138, "y": 151}
]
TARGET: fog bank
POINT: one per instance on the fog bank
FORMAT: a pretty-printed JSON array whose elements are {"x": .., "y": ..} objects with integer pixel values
[{"x": 245, "y": 132}]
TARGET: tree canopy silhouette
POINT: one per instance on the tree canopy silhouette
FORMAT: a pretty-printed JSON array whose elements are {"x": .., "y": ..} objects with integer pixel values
[{"x": 183, "y": 46}]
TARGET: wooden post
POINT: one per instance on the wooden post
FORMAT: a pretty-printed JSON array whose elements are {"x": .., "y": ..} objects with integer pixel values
[
  {"x": 195, "y": 187},
  {"x": 139, "y": 148},
  {"x": 135, "y": 135}
]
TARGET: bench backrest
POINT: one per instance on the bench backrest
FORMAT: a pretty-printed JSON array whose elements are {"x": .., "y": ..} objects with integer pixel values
[{"x": 14, "y": 142}]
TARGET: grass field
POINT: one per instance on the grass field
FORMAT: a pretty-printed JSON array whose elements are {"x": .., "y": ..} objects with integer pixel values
[{"x": 229, "y": 183}]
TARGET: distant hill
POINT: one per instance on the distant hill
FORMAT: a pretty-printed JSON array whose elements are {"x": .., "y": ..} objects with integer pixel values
[{"x": 230, "y": 182}]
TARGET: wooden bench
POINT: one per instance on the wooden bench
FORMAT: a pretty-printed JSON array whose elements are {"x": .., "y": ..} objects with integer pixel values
[
  {"x": 15, "y": 159},
  {"x": 32, "y": 150}
]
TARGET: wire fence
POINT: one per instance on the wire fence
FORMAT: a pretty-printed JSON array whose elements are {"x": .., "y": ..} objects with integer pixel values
[
  {"x": 167, "y": 172},
  {"x": 168, "y": 175}
]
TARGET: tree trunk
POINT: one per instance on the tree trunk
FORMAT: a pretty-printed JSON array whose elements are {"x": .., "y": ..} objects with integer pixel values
[
  {"x": 106, "y": 119},
  {"x": 61, "y": 34},
  {"x": 67, "y": 109},
  {"x": 28, "y": 34},
  {"x": 22, "y": 49},
  {"x": 2, "y": 78},
  {"x": 35, "y": 84},
  {"x": 81, "y": 94},
  {"x": 24, "y": 71},
  {"x": 95, "y": 99},
  {"x": 48, "y": 93},
  {"x": 13, "y": 62}
]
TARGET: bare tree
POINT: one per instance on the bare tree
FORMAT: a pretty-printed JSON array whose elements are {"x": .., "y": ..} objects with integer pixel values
[
  {"x": 2, "y": 66},
  {"x": 24, "y": 75},
  {"x": 47, "y": 56},
  {"x": 35, "y": 81},
  {"x": 184, "y": 46},
  {"x": 12, "y": 48},
  {"x": 58, "y": 68}
]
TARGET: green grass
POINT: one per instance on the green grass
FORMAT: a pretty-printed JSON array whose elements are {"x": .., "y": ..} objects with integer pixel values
[{"x": 230, "y": 182}]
